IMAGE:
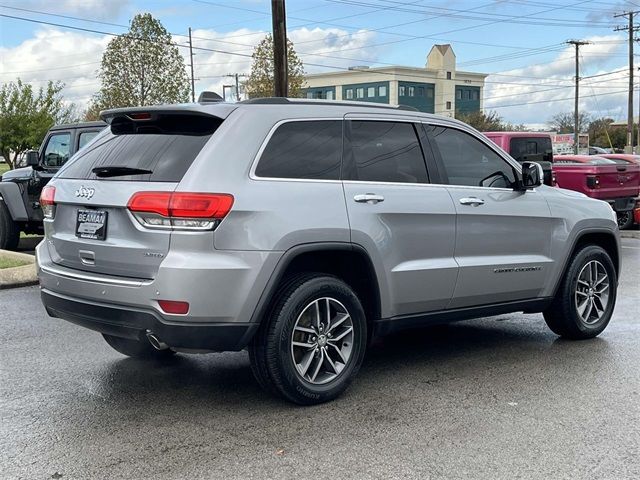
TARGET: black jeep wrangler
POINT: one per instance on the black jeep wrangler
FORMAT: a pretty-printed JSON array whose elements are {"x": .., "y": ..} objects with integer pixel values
[{"x": 20, "y": 188}]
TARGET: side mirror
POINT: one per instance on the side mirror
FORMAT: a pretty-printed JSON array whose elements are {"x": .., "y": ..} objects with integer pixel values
[
  {"x": 532, "y": 175},
  {"x": 33, "y": 159}
]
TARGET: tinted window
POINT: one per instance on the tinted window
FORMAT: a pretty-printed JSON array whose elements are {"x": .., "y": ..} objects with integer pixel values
[
  {"x": 387, "y": 152},
  {"x": 468, "y": 161},
  {"x": 307, "y": 150},
  {"x": 167, "y": 145},
  {"x": 56, "y": 153},
  {"x": 86, "y": 137},
  {"x": 531, "y": 149},
  {"x": 167, "y": 156}
]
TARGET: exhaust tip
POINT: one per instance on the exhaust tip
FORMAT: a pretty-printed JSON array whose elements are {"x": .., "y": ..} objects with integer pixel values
[{"x": 155, "y": 341}]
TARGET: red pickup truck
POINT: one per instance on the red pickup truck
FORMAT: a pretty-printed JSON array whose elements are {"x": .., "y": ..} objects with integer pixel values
[{"x": 601, "y": 178}]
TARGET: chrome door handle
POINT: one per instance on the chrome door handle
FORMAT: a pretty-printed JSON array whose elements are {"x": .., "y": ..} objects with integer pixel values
[
  {"x": 370, "y": 198},
  {"x": 472, "y": 201}
]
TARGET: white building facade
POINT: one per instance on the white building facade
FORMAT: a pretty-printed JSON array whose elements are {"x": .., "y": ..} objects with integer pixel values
[{"x": 438, "y": 88}]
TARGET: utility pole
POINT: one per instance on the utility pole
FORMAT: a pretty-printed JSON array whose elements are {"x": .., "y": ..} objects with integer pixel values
[
  {"x": 279, "y": 22},
  {"x": 576, "y": 115},
  {"x": 193, "y": 80},
  {"x": 237, "y": 79},
  {"x": 631, "y": 29}
]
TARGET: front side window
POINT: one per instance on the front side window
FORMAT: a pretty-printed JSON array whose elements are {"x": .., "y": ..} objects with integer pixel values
[
  {"x": 303, "y": 150},
  {"x": 387, "y": 152},
  {"x": 468, "y": 161},
  {"x": 56, "y": 153}
]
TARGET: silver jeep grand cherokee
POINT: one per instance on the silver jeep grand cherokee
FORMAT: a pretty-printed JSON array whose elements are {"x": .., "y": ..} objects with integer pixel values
[{"x": 302, "y": 229}]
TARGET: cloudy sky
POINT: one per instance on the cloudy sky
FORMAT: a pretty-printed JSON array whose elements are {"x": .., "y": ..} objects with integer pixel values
[{"x": 521, "y": 43}]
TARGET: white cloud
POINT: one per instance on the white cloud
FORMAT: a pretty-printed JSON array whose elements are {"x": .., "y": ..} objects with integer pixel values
[
  {"x": 542, "y": 90},
  {"x": 74, "y": 57},
  {"x": 47, "y": 56}
]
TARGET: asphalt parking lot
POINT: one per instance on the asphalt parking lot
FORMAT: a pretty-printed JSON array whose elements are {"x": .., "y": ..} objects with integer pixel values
[{"x": 489, "y": 398}]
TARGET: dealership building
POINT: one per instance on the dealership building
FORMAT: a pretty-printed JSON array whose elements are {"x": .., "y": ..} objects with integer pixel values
[{"x": 437, "y": 88}]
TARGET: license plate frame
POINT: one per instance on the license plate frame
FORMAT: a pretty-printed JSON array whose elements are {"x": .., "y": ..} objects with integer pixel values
[{"x": 91, "y": 224}]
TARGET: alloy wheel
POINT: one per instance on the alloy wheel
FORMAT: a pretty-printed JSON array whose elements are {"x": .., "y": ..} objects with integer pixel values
[
  {"x": 592, "y": 292},
  {"x": 322, "y": 341}
]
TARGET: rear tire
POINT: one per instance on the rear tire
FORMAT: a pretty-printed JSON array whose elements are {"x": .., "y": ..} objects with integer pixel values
[
  {"x": 586, "y": 297},
  {"x": 9, "y": 230},
  {"x": 625, "y": 219},
  {"x": 136, "y": 348},
  {"x": 313, "y": 342}
]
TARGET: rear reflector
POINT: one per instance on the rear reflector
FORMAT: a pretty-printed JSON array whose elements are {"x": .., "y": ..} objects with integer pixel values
[
  {"x": 184, "y": 210},
  {"x": 48, "y": 201},
  {"x": 173, "y": 307}
]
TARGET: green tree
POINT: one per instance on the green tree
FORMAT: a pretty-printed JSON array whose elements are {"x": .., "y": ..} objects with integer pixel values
[
  {"x": 564, "y": 122},
  {"x": 484, "y": 122},
  {"x": 261, "y": 83},
  {"x": 141, "y": 67},
  {"x": 26, "y": 115}
]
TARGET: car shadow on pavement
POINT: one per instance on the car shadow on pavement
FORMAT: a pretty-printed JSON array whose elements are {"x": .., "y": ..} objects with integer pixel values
[{"x": 473, "y": 350}]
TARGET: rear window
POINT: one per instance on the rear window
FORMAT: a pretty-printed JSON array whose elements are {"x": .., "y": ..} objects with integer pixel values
[
  {"x": 531, "y": 149},
  {"x": 166, "y": 148},
  {"x": 304, "y": 150}
]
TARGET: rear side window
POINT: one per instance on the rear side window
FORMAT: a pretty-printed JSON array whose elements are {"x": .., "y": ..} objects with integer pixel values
[
  {"x": 86, "y": 137},
  {"x": 165, "y": 147},
  {"x": 309, "y": 150},
  {"x": 387, "y": 152}
]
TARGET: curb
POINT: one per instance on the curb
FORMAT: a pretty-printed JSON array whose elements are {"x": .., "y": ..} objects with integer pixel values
[
  {"x": 630, "y": 234},
  {"x": 18, "y": 276}
]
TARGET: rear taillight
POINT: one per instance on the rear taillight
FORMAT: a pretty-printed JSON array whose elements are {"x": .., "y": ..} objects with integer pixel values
[
  {"x": 48, "y": 201},
  {"x": 180, "y": 210},
  {"x": 593, "y": 181},
  {"x": 554, "y": 179}
]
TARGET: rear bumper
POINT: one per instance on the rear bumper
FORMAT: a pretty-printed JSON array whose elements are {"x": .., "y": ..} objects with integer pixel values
[
  {"x": 622, "y": 204},
  {"x": 222, "y": 288},
  {"x": 134, "y": 324}
]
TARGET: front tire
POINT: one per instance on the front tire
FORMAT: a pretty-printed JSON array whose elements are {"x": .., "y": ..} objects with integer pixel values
[
  {"x": 586, "y": 297},
  {"x": 136, "y": 348},
  {"x": 9, "y": 230},
  {"x": 313, "y": 342}
]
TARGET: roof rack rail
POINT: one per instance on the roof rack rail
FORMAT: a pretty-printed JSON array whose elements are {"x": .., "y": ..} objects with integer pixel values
[{"x": 289, "y": 101}]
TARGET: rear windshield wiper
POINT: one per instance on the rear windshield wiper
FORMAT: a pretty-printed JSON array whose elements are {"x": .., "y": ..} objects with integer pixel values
[{"x": 118, "y": 171}]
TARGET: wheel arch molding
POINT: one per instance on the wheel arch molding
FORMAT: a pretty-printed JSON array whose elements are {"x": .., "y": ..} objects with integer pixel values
[{"x": 348, "y": 261}]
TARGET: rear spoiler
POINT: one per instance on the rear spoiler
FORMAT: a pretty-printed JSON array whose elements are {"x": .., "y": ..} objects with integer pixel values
[{"x": 191, "y": 120}]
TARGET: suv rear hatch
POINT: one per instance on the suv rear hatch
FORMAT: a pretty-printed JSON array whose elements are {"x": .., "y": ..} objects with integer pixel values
[{"x": 143, "y": 155}]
